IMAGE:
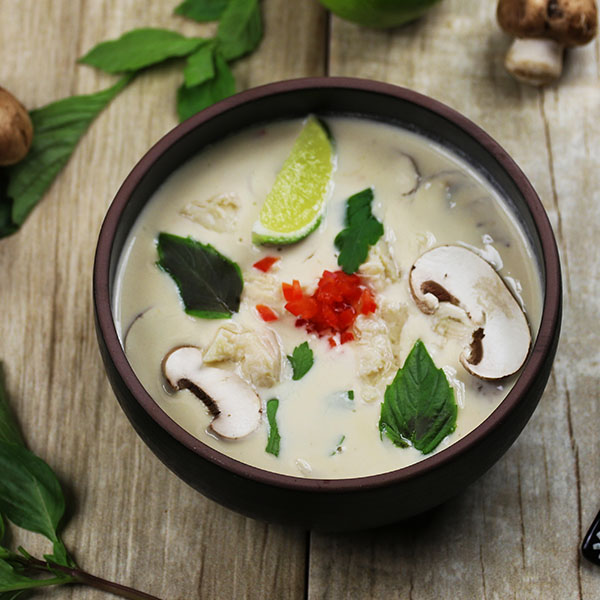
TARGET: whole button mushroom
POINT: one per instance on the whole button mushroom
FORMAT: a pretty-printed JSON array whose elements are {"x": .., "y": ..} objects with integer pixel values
[
  {"x": 544, "y": 28},
  {"x": 16, "y": 130}
]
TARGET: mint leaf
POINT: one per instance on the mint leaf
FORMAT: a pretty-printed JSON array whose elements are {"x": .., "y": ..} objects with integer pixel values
[
  {"x": 200, "y": 66},
  {"x": 202, "y": 11},
  {"x": 30, "y": 494},
  {"x": 419, "y": 406},
  {"x": 210, "y": 285},
  {"x": 274, "y": 437},
  {"x": 302, "y": 360},
  {"x": 9, "y": 430},
  {"x": 362, "y": 231},
  {"x": 57, "y": 129},
  {"x": 240, "y": 28},
  {"x": 139, "y": 48},
  {"x": 191, "y": 100}
]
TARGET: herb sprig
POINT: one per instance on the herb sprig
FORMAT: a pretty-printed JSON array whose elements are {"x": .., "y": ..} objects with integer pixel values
[
  {"x": 302, "y": 360},
  {"x": 31, "y": 498},
  {"x": 207, "y": 78},
  {"x": 362, "y": 230}
]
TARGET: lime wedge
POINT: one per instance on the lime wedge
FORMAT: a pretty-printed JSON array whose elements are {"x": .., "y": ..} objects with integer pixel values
[{"x": 295, "y": 205}]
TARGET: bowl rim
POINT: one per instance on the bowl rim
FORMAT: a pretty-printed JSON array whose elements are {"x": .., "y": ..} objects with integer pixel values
[{"x": 549, "y": 323}]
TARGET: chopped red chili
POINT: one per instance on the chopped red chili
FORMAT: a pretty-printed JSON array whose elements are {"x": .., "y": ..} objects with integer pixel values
[
  {"x": 266, "y": 313},
  {"x": 333, "y": 307},
  {"x": 264, "y": 264}
]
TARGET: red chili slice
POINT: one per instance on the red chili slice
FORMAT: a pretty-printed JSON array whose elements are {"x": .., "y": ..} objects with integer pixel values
[
  {"x": 264, "y": 264},
  {"x": 266, "y": 313}
]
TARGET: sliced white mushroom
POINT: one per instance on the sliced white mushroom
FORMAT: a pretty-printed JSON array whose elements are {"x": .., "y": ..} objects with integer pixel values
[
  {"x": 235, "y": 406},
  {"x": 501, "y": 337},
  {"x": 406, "y": 174}
]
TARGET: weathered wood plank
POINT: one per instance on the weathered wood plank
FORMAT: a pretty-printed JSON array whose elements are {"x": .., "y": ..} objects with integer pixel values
[
  {"x": 132, "y": 520},
  {"x": 516, "y": 532}
]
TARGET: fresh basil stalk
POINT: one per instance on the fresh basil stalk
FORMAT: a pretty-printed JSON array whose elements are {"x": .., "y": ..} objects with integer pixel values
[
  {"x": 57, "y": 127},
  {"x": 419, "y": 407},
  {"x": 31, "y": 498}
]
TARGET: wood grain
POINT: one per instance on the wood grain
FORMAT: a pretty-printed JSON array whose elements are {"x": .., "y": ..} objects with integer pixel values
[{"x": 514, "y": 534}]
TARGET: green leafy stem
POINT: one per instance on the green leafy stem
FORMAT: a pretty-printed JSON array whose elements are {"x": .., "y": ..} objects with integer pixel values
[
  {"x": 31, "y": 498},
  {"x": 207, "y": 78}
]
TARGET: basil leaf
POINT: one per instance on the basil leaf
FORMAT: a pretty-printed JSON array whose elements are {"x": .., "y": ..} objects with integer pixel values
[
  {"x": 362, "y": 230},
  {"x": 57, "y": 129},
  {"x": 210, "y": 285},
  {"x": 7, "y": 227},
  {"x": 139, "y": 48},
  {"x": 240, "y": 28},
  {"x": 274, "y": 437},
  {"x": 419, "y": 406},
  {"x": 302, "y": 360},
  {"x": 11, "y": 582},
  {"x": 30, "y": 494},
  {"x": 9, "y": 430},
  {"x": 202, "y": 10},
  {"x": 200, "y": 66},
  {"x": 191, "y": 100}
]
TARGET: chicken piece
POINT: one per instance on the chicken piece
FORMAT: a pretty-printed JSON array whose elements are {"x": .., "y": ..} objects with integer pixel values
[
  {"x": 217, "y": 213},
  {"x": 256, "y": 354},
  {"x": 380, "y": 268},
  {"x": 262, "y": 288}
]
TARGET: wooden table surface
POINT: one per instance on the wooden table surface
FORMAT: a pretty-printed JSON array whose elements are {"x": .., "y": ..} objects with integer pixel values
[{"x": 513, "y": 534}]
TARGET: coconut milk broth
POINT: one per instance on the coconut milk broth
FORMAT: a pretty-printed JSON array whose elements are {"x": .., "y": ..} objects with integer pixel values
[{"x": 452, "y": 204}]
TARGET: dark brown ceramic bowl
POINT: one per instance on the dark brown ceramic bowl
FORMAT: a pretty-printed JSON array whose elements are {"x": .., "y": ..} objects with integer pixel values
[{"x": 347, "y": 503}]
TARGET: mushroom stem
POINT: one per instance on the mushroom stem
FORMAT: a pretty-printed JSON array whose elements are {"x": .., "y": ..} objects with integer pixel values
[{"x": 535, "y": 61}]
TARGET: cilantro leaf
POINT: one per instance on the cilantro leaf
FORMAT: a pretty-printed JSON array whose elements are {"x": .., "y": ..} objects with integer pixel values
[
  {"x": 362, "y": 230},
  {"x": 419, "y": 406},
  {"x": 191, "y": 100},
  {"x": 139, "y": 48},
  {"x": 274, "y": 437},
  {"x": 240, "y": 28},
  {"x": 210, "y": 285},
  {"x": 202, "y": 11},
  {"x": 302, "y": 360},
  {"x": 200, "y": 66},
  {"x": 57, "y": 129}
]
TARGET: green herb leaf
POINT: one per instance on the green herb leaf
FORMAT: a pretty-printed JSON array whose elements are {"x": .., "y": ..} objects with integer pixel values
[
  {"x": 202, "y": 11},
  {"x": 30, "y": 494},
  {"x": 362, "y": 230},
  {"x": 240, "y": 28},
  {"x": 11, "y": 582},
  {"x": 139, "y": 48},
  {"x": 9, "y": 430},
  {"x": 274, "y": 437},
  {"x": 200, "y": 66},
  {"x": 302, "y": 360},
  {"x": 191, "y": 100},
  {"x": 338, "y": 447},
  {"x": 209, "y": 283},
  {"x": 57, "y": 129},
  {"x": 419, "y": 406}
]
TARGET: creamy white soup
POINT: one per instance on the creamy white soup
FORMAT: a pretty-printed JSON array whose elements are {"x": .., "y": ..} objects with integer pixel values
[{"x": 328, "y": 420}]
